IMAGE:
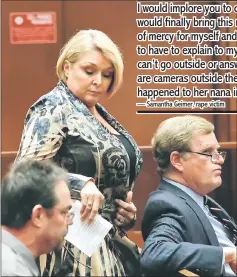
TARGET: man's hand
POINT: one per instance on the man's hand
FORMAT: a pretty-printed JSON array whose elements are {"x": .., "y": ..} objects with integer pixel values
[
  {"x": 231, "y": 257},
  {"x": 233, "y": 266},
  {"x": 91, "y": 199}
]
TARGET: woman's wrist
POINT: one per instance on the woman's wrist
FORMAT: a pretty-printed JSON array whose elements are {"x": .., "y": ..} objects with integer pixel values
[{"x": 76, "y": 193}]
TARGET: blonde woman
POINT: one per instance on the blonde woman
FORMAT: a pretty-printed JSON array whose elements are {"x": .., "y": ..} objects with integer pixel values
[{"x": 69, "y": 126}]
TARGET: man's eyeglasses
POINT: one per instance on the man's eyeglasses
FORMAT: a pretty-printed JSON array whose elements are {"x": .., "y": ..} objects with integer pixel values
[
  {"x": 215, "y": 156},
  {"x": 69, "y": 215}
]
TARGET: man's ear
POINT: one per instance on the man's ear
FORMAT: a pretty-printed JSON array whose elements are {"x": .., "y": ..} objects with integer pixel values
[
  {"x": 176, "y": 160},
  {"x": 38, "y": 215}
]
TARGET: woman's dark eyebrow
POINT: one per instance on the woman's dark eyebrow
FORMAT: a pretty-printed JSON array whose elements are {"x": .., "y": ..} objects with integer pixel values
[{"x": 94, "y": 64}]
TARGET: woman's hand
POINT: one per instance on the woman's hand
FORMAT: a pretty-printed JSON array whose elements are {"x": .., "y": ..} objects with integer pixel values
[
  {"x": 91, "y": 199},
  {"x": 126, "y": 213}
]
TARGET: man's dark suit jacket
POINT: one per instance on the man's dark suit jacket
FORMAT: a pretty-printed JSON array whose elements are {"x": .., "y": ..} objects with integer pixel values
[{"x": 178, "y": 235}]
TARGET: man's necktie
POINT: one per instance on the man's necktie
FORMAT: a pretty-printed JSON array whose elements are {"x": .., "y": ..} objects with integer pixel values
[{"x": 222, "y": 216}]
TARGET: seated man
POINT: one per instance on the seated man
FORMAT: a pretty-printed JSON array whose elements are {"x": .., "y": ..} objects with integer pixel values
[
  {"x": 35, "y": 215},
  {"x": 182, "y": 227}
]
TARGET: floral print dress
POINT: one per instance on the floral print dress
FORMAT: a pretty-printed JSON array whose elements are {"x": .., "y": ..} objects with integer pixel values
[{"x": 60, "y": 127}]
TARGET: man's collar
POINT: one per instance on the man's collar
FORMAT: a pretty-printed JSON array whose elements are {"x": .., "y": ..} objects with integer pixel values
[
  {"x": 19, "y": 248},
  {"x": 193, "y": 194}
]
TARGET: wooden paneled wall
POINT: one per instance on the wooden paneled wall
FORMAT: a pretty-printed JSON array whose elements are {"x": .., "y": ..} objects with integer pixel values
[{"x": 29, "y": 69}]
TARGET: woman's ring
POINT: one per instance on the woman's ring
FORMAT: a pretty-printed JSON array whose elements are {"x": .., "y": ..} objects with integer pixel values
[{"x": 122, "y": 220}]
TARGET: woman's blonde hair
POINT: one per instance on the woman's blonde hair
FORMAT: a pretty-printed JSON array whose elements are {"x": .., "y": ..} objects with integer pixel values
[{"x": 87, "y": 40}]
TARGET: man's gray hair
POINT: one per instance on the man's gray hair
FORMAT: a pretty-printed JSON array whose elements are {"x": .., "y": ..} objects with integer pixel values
[
  {"x": 175, "y": 134},
  {"x": 29, "y": 182}
]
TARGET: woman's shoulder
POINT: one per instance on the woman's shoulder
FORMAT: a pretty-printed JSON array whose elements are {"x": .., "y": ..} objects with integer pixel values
[
  {"x": 51, "y": 98},
  {"x": 53, "y": 101}
]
